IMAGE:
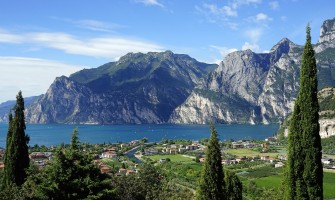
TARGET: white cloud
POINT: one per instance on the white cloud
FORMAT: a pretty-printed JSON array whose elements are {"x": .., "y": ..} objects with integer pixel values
[
  {"x": 103, "y": 47},
  {"x": 218, "y": 15},
  {"x": 151, "y": 3},
  {"x": 254, "y": 34},
  {"x": 238, "y": 3},
  {"x": 220, "y": 12},
  {"x": 274, "y": 5},
  {"x": 30, "y": 75},
  {"x": 91, "y": 24},
  {"x": 10, "y": 38},
  {"x": 253, "y": 47},
  {"x": 223, "y": 15},
  {"x": 223, "y": 50},
  {"x": 260, "y": 18}
]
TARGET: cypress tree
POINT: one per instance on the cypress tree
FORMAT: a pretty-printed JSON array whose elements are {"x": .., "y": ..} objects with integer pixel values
[
  {"x": 234, "y": 188},
  {"x": 304, "y": 175},
  {"x": 211, "y": 184},
  {"x": 16, "y": 156},
  {"x": 8, "y": 171}
]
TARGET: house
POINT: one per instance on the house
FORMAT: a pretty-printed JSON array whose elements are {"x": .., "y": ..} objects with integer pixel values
[
  {"x": 326, "y": 161},
  {"x": 240, "y": 159},
  {"x": 281, "y": 157},
  {"x": 105, "y": 169},
  {"x": 123, "y": 171},
  {"x": 225, "y": 162},
  {"x": 192, "y": 147},
  {"x": 151, "y": 151},
  {"x": 236, "y": 145},
  {"x": 248, "y": 144},
  {"x": 267, "y": 158},
  {"x": 109, "y": 154},
  {"x": 111, "y": 149},
  {"x": 279, "y": 164},
  {"x": 173, "y": 151},
  {"x": 271, "y": 139},
  {"x": 129, "y": 171},
  {"x": 37, "y": 155}
]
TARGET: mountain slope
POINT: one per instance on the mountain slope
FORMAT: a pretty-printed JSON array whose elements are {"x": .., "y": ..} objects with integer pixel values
[
  {"x": 5, "y": 107},
  {"x": 139, "y": 88},
  {"x": 265, "y": 85}
]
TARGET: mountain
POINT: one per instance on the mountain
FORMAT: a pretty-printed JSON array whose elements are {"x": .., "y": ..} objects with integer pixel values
[
  {"x": 326, "y": 98},
  {"x": 139, "y": 88},
  {"x": 250, "y": 87},
  {"x": 5, "y": 107}
]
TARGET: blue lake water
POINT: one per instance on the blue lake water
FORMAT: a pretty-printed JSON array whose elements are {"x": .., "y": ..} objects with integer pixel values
[{"x": 55, "y": 134}]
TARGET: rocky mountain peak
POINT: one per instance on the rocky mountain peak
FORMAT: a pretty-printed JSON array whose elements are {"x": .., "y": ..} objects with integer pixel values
[
  {"x": 327, "y": 32},
  {"x": 284, "y": 45}
]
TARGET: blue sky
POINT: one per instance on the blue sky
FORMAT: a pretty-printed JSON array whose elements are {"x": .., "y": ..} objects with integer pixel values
[{"x": 40, "y": 40}]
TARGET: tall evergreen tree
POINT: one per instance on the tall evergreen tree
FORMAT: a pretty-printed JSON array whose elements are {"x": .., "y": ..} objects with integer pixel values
[
  {"x": 16, "y": 156},
  {"x": 211, "y": 184},
  {"x": 304, "y": 175},
  {"x": 8, "y": 171},
  {"x": 233, "y": 186}
]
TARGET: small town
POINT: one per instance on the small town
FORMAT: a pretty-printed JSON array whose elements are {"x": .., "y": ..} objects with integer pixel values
[{"x": 124, "y": 158}]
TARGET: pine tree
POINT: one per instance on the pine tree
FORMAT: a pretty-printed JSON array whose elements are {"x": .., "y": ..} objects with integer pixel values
[
  {"x": 211, "y": 184},
  {"x": 304, "y": 175},
  {"x": 16, "y": 156}
]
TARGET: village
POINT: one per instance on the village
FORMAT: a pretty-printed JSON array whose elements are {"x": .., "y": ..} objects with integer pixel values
[{"x": 124, "y": 158}]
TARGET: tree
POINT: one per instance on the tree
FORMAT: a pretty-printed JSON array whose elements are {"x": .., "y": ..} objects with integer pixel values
[
  {"x": 211, "y": 184},
  {"x": 233, "y": 186},
  {"x": 304, "y": 174},
  {"x": 16, "y": 157},
  {"x": 72, "y": 175},
  {"x": 146, "y": 185}
]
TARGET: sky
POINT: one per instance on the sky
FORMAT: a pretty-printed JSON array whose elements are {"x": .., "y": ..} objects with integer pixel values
[{"x": 41, "y": 40}]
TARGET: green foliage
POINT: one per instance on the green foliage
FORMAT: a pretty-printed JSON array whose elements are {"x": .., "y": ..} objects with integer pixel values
[
  {"x": 147, "y": 185},
  {"x": 72, "y": 175},
  {"x": 303, "y": 178},
  {"x": 16, "y": 157},
  {"x": 328, "y": 145},
  {"x": 211, "y": 185},
  {"x": 233, "y": 186}
]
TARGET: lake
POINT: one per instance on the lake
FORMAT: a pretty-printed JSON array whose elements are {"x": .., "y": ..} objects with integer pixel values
[{"x": 55, "y": 134}]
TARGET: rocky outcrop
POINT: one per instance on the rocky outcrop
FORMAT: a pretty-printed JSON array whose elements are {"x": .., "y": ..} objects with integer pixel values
[
  {"x": 139, "y": 88},
  {"x": 265, "y": 85},
  {"x": 327, "y": 127},
  {"x": 327, "y": 36},
  {"x": 326, "y": 98}
]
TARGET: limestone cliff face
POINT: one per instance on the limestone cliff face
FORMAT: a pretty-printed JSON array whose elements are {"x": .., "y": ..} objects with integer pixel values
[
  {"x": 257, "y": 88},
  {"x": 326, "y": 98},
  {"x": 327, "y": 36},
  {"x": 139, "y": 88}
]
